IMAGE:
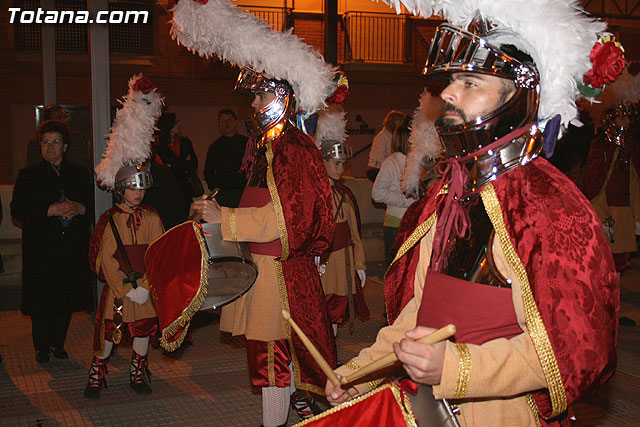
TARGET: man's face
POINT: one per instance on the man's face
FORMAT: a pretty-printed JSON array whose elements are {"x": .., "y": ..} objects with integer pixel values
[
  {"x": 228, "y": 125},
  {"x": 262, "y": 99},
  {"x": 471, "y": 95}
]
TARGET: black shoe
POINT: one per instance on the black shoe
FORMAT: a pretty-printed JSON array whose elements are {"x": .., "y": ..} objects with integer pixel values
[
  {"x": 141, "y": 388},
  {"x": 42, "y": 356},
  {"x": 92, "y": 393},
  {"x": 60, "y": 353}
]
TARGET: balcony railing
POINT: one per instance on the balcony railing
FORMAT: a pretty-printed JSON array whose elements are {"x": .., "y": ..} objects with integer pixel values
[{"x": 134, "y": 39}]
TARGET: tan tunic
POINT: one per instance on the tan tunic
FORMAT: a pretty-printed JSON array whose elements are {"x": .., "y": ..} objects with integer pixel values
[
  {"x": 257, "y": 314},
  {"x": 150, "y": 229},
  {"x": 502, "y": 367},
  {"x": 334, "y": 280},
  {"x": 625, "y": 217}
]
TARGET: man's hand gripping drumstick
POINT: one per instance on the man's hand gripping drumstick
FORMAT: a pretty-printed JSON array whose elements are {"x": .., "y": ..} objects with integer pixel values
[
  {"x": 422, "y": 355},
  {"x": 333, "y": 378},
  {"x": 206, "y": 208}
]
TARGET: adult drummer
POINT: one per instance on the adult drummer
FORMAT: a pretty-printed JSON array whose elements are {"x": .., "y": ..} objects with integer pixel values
[
  {"x": 286, "y": 216},
  {"x": 504, "y": 246}
]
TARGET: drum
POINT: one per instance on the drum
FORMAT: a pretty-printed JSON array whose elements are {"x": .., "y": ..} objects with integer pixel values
[{"x": 231, "y": 270}]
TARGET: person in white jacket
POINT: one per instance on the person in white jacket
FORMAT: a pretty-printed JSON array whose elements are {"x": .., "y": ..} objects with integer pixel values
[{"x": 387, "y": 189}]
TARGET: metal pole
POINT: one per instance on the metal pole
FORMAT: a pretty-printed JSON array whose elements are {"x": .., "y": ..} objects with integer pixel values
[
  {"x": 100, "y": 100},
  {"x": 331, "y": 31},
  {"x": 48, "y": 57}
]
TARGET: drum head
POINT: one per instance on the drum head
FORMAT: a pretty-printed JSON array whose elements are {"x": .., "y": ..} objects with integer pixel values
[{"x": 229, "y": 279}]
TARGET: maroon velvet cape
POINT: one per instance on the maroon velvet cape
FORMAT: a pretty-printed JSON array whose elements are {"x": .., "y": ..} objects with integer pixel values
[
  {"x": 569, "y": 269},
  {"x": 594, "y": 175},
  {"x": 301, "y": 196}
]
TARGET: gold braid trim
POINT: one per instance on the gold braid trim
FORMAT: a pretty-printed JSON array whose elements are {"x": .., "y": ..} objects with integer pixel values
[
  {"x": 233, "y": 224},
  {"x": 353, "y": 365},
  {"x": 406, "y": 410},
  {"x": 534, "y": 409},
  {"x": 277, "y": 206},
  {"x": 464, "y": 370},
  {"x": 534, "y": 322},
  {"x": 417, "y": 234},
  {"x": 270, "y": 363},
  {"x": 192, "y": 308}
]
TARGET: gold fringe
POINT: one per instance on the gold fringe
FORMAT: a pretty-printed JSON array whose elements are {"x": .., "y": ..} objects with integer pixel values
[
  {"x": 406, "y": 411},
  {"x": 464, "y": 370},
  {"x": 534, "y": 322},
  {"x": 277, "y": 205},
  {"x": 192, "y": 308}
]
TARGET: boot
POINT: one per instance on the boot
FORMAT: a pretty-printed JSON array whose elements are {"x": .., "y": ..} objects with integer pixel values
[
  {"x": 97, "y": 378},
  {"x": 139, "y": 369},
  {"x": 304, "y": 405}
]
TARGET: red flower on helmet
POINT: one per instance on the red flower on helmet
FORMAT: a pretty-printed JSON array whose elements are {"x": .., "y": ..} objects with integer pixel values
[
  {"x": 143, "y": 85},
  {"x": 607, "y": 57}
]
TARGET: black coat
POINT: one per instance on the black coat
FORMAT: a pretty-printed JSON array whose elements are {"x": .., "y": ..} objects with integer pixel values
[
  {"x": 181, "y": 166},
  {"x": 55, "y": 263}
]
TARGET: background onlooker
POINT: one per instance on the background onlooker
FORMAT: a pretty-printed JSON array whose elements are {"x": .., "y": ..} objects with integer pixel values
[
  {"x": 176, "y": 152},
  {"x": 80, "y": 149},
  {"x": 165, "y": 196},
  {"x": 381, "y": 147},
  {"x": 52, "y": 201},
  {"x": 387, "y": 189},
  {"x": 224, "y": 158}
]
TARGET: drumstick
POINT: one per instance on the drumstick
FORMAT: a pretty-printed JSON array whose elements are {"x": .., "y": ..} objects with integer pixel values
[
  {"x": 211, "y": 195},
  {"x": 313, "y": 350},
  {"x": 389, "y": 359}
]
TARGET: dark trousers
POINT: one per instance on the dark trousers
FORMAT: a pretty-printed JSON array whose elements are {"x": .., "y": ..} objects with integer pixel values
[
  {"x": 50, "y": 330},
  {"x": 390, "y": 234}
]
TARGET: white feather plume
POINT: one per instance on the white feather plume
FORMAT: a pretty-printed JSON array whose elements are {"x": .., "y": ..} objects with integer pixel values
[
  {"x": 131, "y": 133},
  {"x": 557, "y": 34},
  {"x": 424, "y": 142},
  {"x": 223, "y": 29},
  {"x": 332, "y": 125}
]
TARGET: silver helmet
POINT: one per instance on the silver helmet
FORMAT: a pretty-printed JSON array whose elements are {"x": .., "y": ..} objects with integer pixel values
[
  {"x": 133, "y": 177},
  {"x": 249, "y": 82},
  {"x": 335, "y": 150},
  {"x": 479, "y": 50}
]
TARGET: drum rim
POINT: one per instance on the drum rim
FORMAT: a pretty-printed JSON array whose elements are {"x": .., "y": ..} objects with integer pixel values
[{"x": 225, "y": 259}]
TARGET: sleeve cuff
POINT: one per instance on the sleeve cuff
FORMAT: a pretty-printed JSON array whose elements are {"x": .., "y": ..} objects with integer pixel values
[
  {"x": 456, "y": 372},
  {"x": 229, "y": 224}
]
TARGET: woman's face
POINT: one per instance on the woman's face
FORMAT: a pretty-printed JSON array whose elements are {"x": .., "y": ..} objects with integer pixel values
[
  {"x": 133, "y": 197},
  {"x": 52, "y": 147},
  {"x": 335, "y": 168}
]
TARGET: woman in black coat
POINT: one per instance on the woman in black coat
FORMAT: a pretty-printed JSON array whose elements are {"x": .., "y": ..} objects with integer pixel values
[
  {"x": 52, "y": 201},
  {"x": 176, "y": 152}
]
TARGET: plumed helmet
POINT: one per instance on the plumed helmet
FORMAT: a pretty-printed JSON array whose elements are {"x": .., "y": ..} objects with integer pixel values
[
  {"x": 133, "y": 177},
  {"x": 281, "y": 108}
]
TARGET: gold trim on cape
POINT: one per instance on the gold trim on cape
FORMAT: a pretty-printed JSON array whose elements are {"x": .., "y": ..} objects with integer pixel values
[
  {"x": 534, "y": 409},
  {"x": 406, "y": 411},
  {"x": 277, "y": 205},
  {"x": 270, "y": 364},
  {"x": 194, "y": 305},
  {"x": 464, "y": 370},
  {"x": 534, "y": 322}
]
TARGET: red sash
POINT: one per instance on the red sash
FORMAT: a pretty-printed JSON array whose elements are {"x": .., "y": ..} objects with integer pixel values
[
  {"x": 481, "y": 313},
  {"x": 341, "y": 236},
  {"x": 135, "y": 253},
  {"x": 256, "y": 197}
]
